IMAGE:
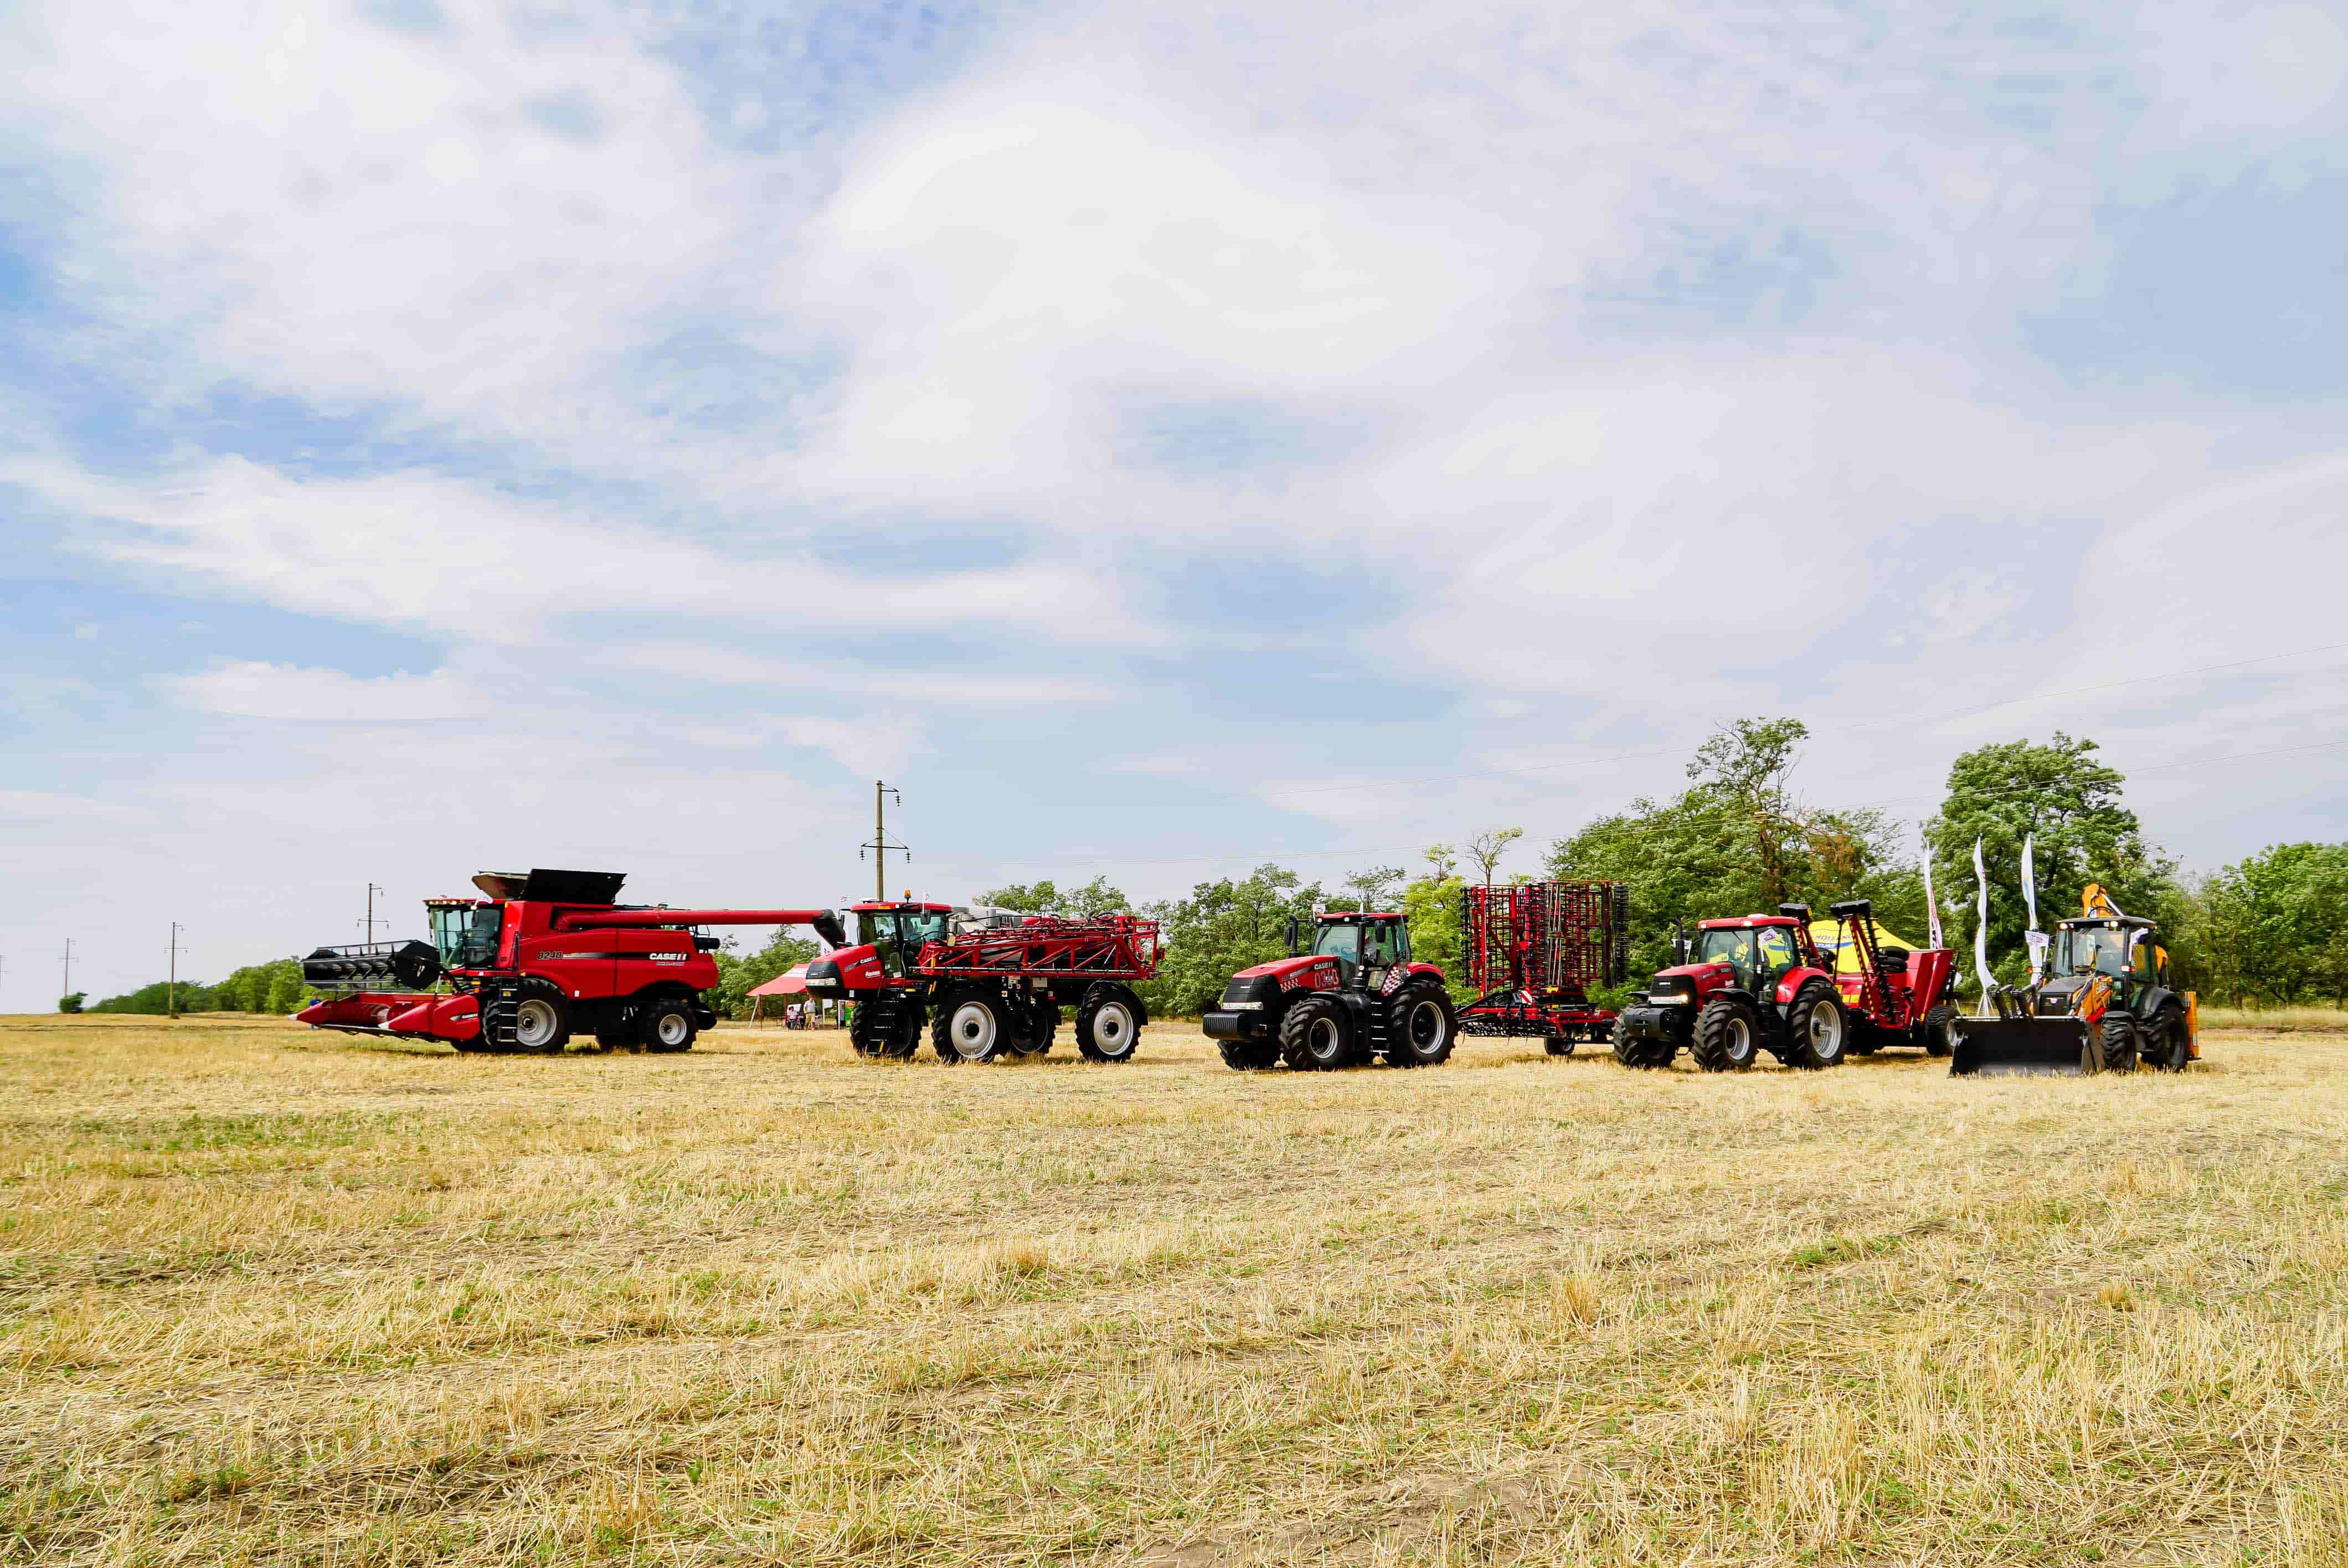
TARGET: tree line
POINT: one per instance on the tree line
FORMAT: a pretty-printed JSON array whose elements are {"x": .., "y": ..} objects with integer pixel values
[{"x": 1741, "y": 837}]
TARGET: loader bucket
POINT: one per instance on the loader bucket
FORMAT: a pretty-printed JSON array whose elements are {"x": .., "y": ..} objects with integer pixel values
[{"x": 2021, "y": 1048}]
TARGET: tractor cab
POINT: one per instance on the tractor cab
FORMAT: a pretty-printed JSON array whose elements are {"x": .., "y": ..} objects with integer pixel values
[
  {"x": 1365, "y": 946},
  {"x": 1756, "y": 950}
]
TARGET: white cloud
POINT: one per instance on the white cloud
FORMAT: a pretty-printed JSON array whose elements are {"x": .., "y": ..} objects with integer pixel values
[{"x": 258, "y": 690}]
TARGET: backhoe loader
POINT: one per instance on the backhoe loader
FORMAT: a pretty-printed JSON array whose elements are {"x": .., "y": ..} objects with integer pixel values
[{"x": 2105, "y": 1005}]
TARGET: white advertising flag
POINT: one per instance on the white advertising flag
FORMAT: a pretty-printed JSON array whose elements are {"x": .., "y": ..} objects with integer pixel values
[{"x": 1981, "y": 923}]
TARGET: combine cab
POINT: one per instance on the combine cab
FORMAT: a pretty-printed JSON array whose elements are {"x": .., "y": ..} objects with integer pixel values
[
  {"x": 1357, "y": 995},
  {"x": 539, "y": 957},
  {"x": 988, "y": 986},
  {"x": 2106, "y": 1006},
  {"x": 1533, "y": 952}
]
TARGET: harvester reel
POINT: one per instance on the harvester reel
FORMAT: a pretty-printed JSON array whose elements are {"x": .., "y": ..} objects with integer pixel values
[{"x": 1107, "y": 1027}]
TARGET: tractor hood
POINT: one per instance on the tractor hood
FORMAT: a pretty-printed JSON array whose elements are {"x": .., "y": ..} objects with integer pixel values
[
  {"x": 1292, "y": 972},
  {"x": 1692, "y": 977}
]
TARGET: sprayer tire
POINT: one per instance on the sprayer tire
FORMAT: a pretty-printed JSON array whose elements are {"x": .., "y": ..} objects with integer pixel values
[
  {"x": 1108, "y": 1026},
  {"x": 1728, "y": 1036},
  {"x": 1933, "y": 1031},
  {"x": 1044, "y": 1023},
  {"x": 971, "y": 1027},
  {"x": 2120, "y": 1040},
  {"x": 1818, "y": 1028}
]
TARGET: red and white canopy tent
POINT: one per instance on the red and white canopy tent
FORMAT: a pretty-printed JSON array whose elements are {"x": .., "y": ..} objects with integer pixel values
[{"x": 790, "y": 983}]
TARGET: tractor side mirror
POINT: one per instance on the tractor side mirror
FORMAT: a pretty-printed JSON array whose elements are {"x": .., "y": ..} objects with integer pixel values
[
  {"x": 1288, "y": 934},
  {"x": 1682, "y": 943}
]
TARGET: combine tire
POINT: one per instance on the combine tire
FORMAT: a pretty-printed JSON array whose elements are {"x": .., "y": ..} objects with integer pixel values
[
  {"x": 1559, "y": 1045},
  {"x": 667, "y": 1025},
  {"x": 1317, "y": 1036},
  {"x": 2120, "y": 1042},
  {"x": 971, "y": 1027},
  {"x": 1108, "y": 1027},
  {"x": 1249, "y": 1055},
  {"x": 2166, "y": 1047},
  {"x": 1421, "y": 1028},
  {"x": 542, "y": 1019},
  {"x": 1936, "y": 1031},
  {"x": 1817, "y": 1029},
  {"x": 1728, "y": 1036}
]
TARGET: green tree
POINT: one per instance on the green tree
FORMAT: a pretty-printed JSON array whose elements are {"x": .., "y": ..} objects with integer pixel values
[
  {"x": 1375, "y": 888},
  {"x": 156, "y": 998},
  {"x": 1432, "y": 901},
  {"x": 2273, "y": 927},
  {"x": 1221, "y": 927},
  {"x": 2059, "y": 795},
  {"x": 71, "y": 1001},
  {"x": 1487, "y": 848},
  {"x": 1090, "y": 902}
]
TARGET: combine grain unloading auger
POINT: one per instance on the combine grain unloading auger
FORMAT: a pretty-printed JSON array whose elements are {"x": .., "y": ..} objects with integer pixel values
[{"x": 2106, "y": 1006}]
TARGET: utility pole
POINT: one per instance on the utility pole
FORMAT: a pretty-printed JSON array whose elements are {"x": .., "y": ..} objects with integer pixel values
[
  {"x": 372, "y": 891},
  {"x": 881, "y": 847},
  {"x": 68, "y": 990},
  {"x": 171, "y": 987}
]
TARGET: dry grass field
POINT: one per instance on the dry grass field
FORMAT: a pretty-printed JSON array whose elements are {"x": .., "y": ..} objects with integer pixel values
[{"x": 270, "y": 1296}]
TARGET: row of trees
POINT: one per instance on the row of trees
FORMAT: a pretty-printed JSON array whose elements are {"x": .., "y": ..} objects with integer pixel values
[{"x": 275, "y": 986}]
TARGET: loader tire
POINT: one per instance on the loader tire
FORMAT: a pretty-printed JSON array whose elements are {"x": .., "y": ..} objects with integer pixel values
[
  {"x": 542, "y": 1019},
  {"x": 1249, "y": 1055},
  {"x": 1109, "y": 1028},
  {"x": 1317, "y": 1036},
  {"x": 2166, "y": 1047},
  {"x": 665, "y": 1025},
  {"x": 1817, "y": 1029},
  {"x": 1728, "y": 1036},
  {"x": 2119, "y": 1042},
  {"x": 971, "y": 1027},
  {"x": 1936, "y": 1031},
  {"x": 1421, "y": 1028}
]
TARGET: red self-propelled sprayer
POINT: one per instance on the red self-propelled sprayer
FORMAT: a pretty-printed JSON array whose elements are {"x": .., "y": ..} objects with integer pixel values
[{"x": 539, "y": 957}]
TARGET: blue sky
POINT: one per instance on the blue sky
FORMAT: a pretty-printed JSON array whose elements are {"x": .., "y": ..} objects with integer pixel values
[{"x": 437, "y": 437}]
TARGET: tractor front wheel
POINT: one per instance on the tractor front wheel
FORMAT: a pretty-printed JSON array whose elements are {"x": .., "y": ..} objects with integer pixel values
[
  {"x": 1728, "y": 1036},
  {"x": 2120, "y": 1041},
  {"x": 1317, "y": 1035},
  {"x": 1817, "y": 1029},
  {"x": 1249, "y": 1055},
  {"x": 1647, "y": 1055}
]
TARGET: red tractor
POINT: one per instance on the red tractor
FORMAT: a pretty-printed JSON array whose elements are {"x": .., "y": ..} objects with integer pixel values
[
  {"x": 1535, "y": 949},
  {"x": 1356, "y": 996},
  {"x": 540, "y": 956},
  {"x": 1760, "y": 983},
  {"x": 988, "y": 985}
]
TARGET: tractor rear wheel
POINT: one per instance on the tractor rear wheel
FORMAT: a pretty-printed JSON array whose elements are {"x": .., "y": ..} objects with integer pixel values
[
  {"x": 667, "y": 1025},
  {"x": 2120, "y": 1041},
  {"x": 1317, "y": 1035},
  {"x": 542, "y": 1019},
  {"x": 2166, "y": 1046},
  {"x": 1817, "y": 1026},
  {"x": 1421, "y": 1028},
  {"x": 1249, "y": 1055},
  {"x": 1728, "y": 1036},
  {"x": 1108, "y": 1027},
  {"x": 1936, "y": 1031},
  {"x": 971, "y": 1027}
]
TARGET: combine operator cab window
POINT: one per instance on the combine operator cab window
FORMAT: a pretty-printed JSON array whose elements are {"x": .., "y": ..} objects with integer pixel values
[
  {"x": 1735, "y": 948},
  {"x": 467, "y": 935}
]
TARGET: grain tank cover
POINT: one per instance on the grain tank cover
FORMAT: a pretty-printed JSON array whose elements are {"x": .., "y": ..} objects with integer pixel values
[{"x": 553, "y": 886}]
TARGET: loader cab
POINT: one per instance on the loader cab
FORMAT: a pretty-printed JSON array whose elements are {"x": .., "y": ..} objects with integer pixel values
[
  {"x": 466, "y": 931},
  {"x": 2121, "y": 947}
]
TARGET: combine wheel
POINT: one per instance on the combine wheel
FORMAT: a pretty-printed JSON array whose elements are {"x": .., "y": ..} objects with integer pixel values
[
  {"x": 1421, "y": 1028},
  {"x": 665, "y": 1025},
  {"x": 542, "y": 1019},
  {"x": 1936, "y": 1031},
  {"x": 1317, "y": 1036},
  {"x": 1728, "y": 1036},
  {"x": 972, "y": 1027},
  {"x": 2120, "y": 1041},
  {"x": 1817, "y": 1028},
  {"x": 2166, "y": 1047},
  {"x": 1559, "y": 1045},
  {"x": 1249, "y": 1055},
  {"x": 1108, "y": 1028}
]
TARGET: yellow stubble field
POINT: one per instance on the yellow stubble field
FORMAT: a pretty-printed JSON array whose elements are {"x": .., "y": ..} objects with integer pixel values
[{"x": 274, "y": 1297}]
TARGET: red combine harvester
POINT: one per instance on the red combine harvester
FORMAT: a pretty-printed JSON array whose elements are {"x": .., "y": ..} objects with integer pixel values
[
  {"x": 541, "y": 956},
  {"x": 986, "y": 987},
  {"x": 1535, "y": 949},
  {"x": 1356, "y": 995},
  {"x": 1760, "y": 983}
]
